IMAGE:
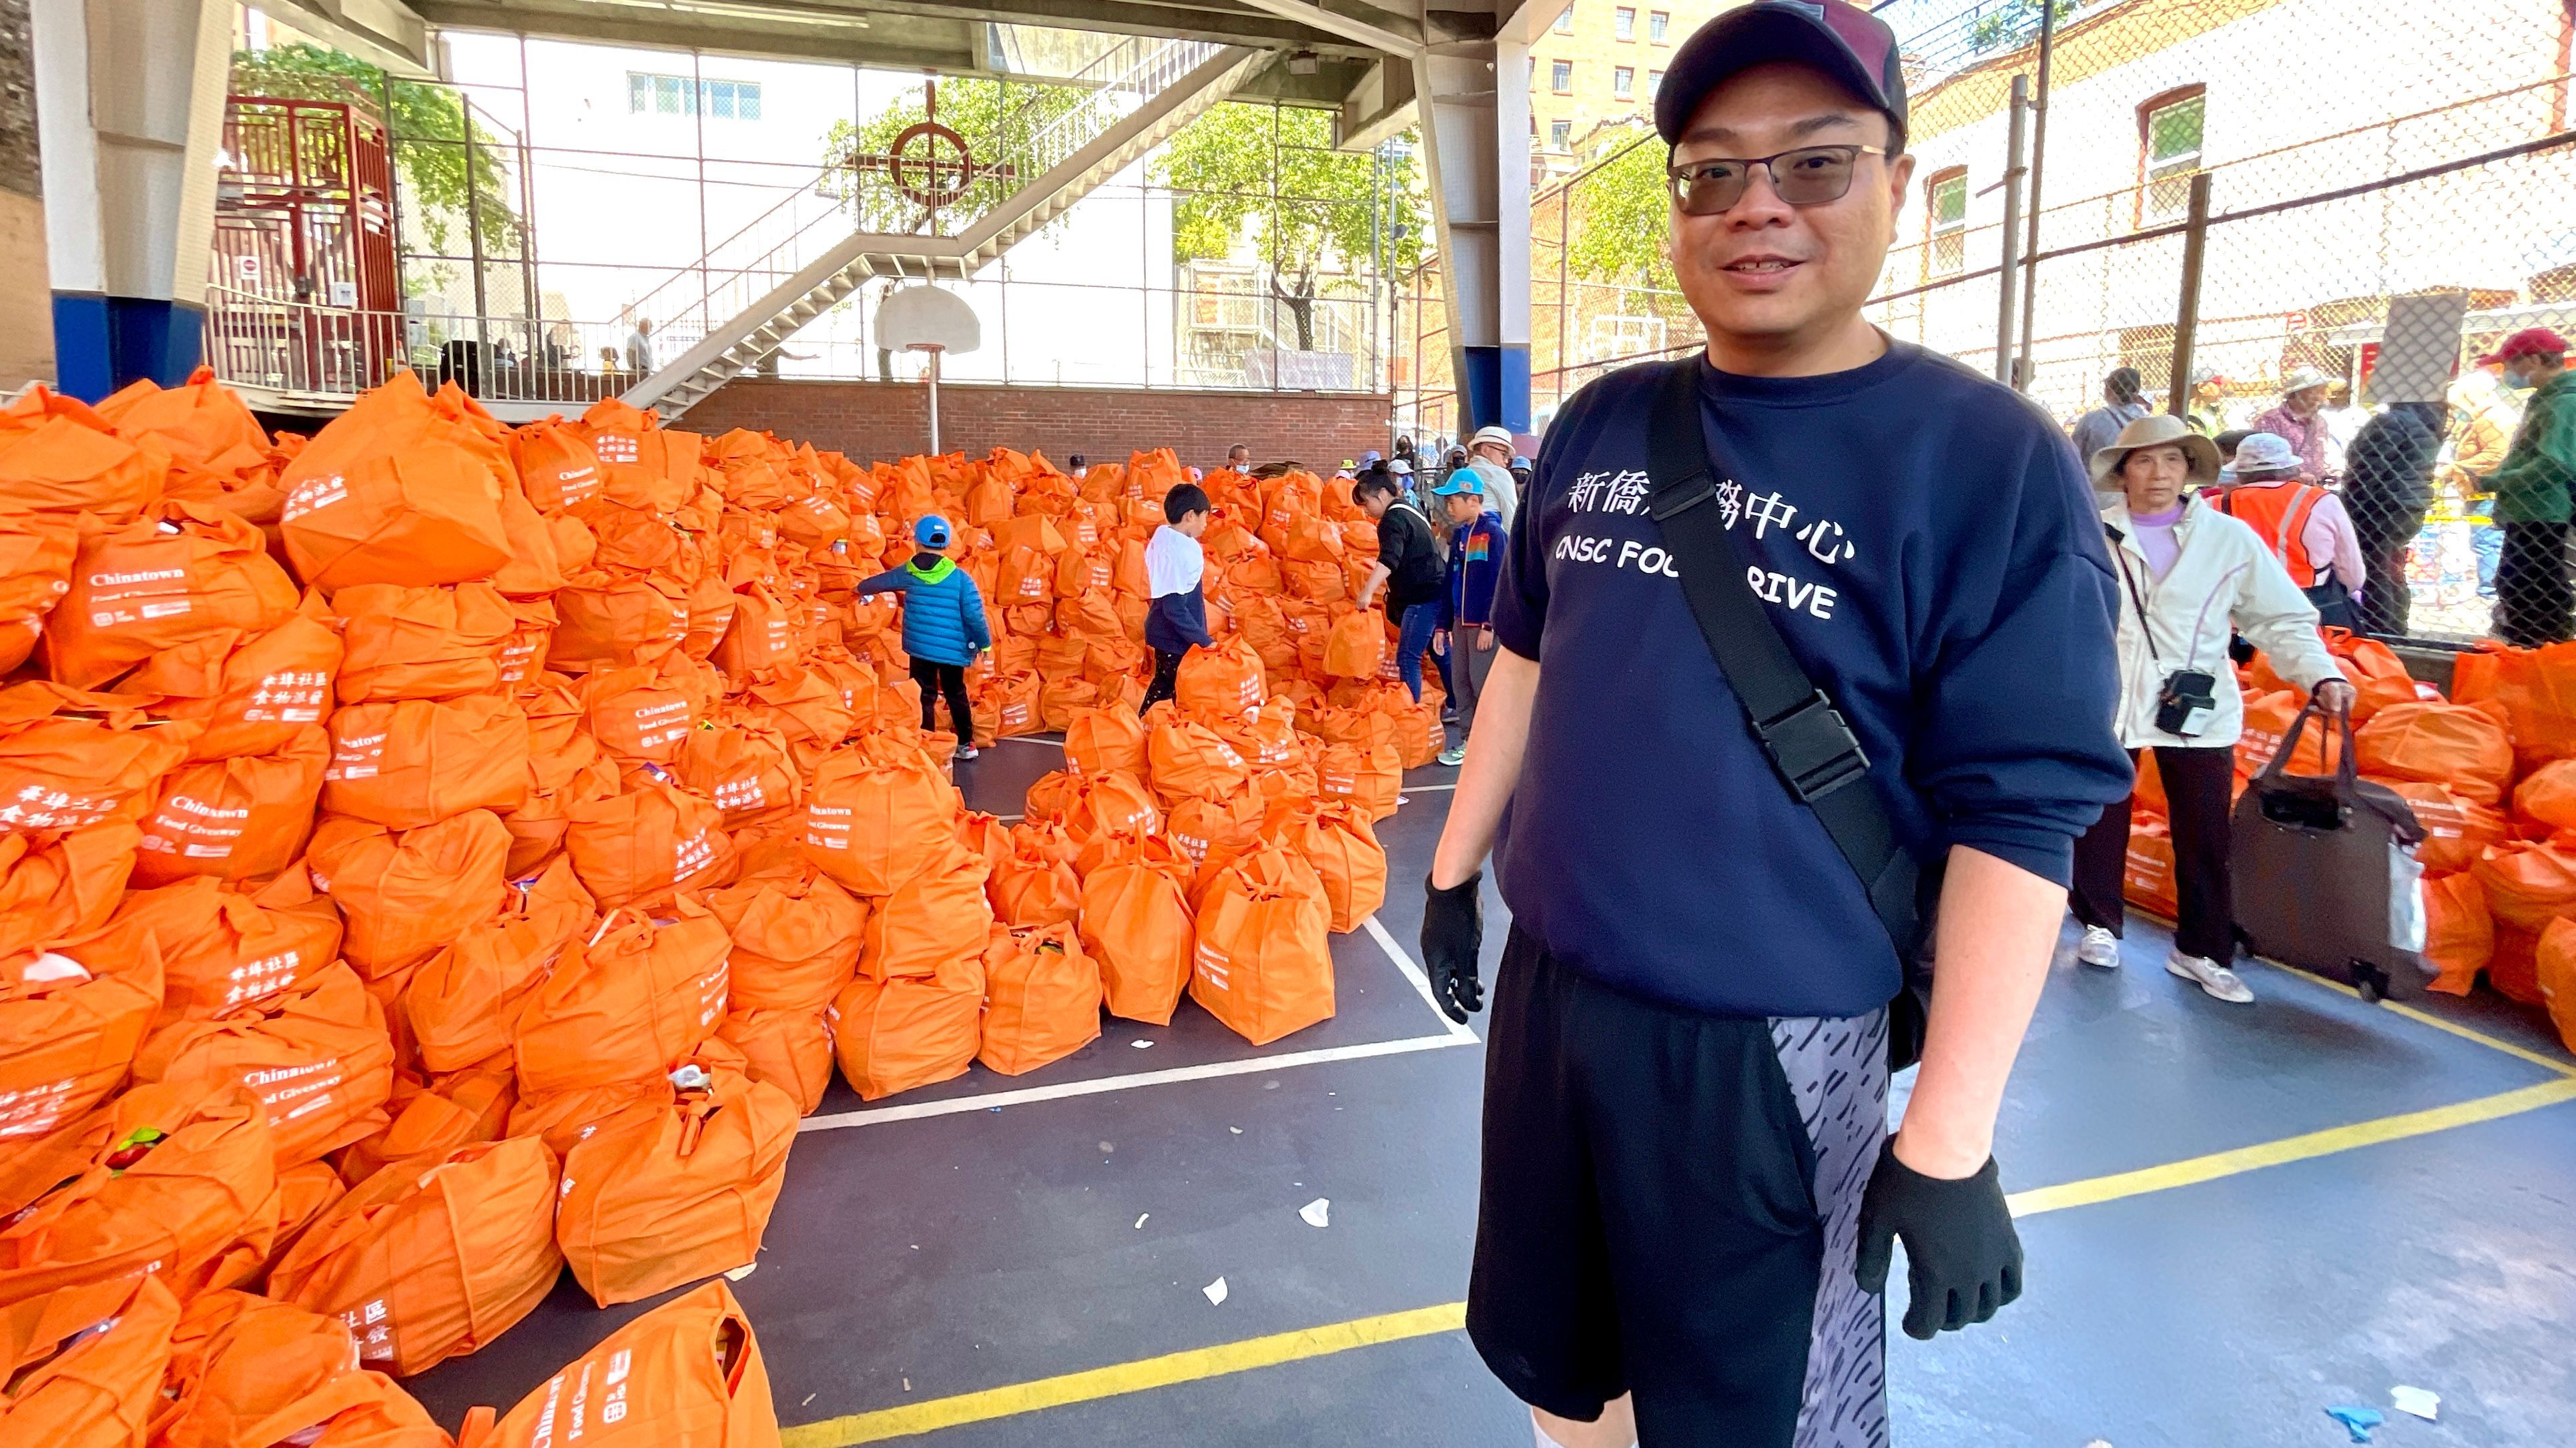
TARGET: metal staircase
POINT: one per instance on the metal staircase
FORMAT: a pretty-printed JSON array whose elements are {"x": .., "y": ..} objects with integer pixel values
[{"x": 805, "y": 255}]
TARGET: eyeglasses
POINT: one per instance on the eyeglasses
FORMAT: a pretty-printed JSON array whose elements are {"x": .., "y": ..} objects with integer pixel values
[{"x": 1808, "y": 176}]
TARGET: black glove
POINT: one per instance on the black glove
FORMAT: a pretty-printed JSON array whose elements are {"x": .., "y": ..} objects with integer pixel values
[
  {"x": 1962, "y": 1256},
  {"x": 1453, "y": 926}
]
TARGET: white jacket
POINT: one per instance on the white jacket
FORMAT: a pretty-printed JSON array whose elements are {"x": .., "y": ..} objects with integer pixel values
[{"x": 2224, "y": 576}]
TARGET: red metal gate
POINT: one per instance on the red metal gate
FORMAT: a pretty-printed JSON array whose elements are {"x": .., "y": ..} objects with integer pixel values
[{"x": 303, "y": 252}]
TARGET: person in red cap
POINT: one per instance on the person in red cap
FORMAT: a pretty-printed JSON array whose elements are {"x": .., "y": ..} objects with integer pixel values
[
  {"x": 2535, "y": 604},
  {"x": 1690, "y": 1197}
]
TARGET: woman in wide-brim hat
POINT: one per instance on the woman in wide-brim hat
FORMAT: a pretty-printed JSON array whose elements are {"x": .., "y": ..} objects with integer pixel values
[
  {"x": 2160, "y": 429},
  {"x": 2186, "y": 573}
]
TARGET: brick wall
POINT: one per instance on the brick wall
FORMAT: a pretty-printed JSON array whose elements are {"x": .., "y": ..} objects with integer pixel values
[{"x": 874, "y": 420}]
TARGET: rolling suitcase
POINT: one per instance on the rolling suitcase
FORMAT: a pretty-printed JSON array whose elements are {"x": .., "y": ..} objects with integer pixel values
[{"x": 2325, "y": 873}]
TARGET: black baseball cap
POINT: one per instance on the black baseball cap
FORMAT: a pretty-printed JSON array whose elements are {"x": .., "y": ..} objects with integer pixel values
[{"x": 1844, "y": 41}]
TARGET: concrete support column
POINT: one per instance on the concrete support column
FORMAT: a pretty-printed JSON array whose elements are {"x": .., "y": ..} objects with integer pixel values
[
  {"x": 1475, "y": 97},
  {"x": 130, "y": 107},
  {"x": 26, "y": 305}
]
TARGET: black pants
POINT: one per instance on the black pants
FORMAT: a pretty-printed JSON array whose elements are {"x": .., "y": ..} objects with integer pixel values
[
  {"x": 1167, "y": 676},
  {"x": 2334, "y": 604},
  {"x": 948, "y": 679},
  {"x": 2387, "y": 600},
  {"x": 2533, "y": 599},
  {"x": 2198, "y": 783}
]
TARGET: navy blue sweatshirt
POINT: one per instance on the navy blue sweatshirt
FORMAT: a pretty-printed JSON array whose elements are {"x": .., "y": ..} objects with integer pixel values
[
  {"x": 1929, "y": 548},
  {"x": 1177, "y": 621}
]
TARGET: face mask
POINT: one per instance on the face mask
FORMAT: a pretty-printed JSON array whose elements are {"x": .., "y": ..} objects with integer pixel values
[{"x": 1243, "y": 467}]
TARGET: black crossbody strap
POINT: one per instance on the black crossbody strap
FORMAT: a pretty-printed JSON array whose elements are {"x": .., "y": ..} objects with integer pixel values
[
  {"x": 1814, "y": 751},
  {"x": 2122, "y": 558}
]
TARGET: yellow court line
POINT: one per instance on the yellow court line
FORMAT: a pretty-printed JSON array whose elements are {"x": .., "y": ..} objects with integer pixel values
[
  {"x": 1287, "y": 1347},
  {"x": 2193, "y": 1170},
  {"x": 1122, "y": 1378},
  {"x": 2551, "y": 1063},
  {"x": 2413, "y": 1013}
]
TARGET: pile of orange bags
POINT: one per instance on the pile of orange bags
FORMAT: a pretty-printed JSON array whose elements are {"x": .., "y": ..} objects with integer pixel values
[
  {"x": 2491, "y": 775},
  {"x": 436, "y": 854}
]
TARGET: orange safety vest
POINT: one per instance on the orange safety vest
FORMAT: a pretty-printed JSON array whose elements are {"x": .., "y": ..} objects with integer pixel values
[{"x": 2279, "y": 512}]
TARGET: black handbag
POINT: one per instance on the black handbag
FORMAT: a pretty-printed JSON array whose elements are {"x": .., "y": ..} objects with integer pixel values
[
  {"x": 1813, "y": 751},
  {"x": 2314, "y": 858}
]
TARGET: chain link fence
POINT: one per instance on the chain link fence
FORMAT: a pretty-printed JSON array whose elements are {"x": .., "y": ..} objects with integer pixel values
[{"x": 2388, "y": 194}]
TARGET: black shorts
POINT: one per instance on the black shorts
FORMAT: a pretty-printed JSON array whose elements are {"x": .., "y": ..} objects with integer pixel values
[{"x": 1669, "y": 1208}]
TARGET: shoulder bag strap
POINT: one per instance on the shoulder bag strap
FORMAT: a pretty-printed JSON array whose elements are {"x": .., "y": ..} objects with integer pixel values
[
  {"x": 2135, "y": 597},
  {"x": 1814, "y": 752}
]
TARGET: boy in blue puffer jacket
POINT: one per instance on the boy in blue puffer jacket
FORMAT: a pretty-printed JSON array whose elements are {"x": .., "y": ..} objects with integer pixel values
[{"x": 943, "y": 626}]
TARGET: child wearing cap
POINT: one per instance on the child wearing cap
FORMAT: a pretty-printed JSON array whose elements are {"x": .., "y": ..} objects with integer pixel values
[
  {"x": 943, "y": 626},
  {"x": 1174, "y": 564},
  {"x": 1476, "y": 543}
]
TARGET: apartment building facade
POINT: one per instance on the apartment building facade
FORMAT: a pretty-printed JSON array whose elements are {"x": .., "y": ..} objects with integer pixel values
[{"x": 1600, "y": 64}]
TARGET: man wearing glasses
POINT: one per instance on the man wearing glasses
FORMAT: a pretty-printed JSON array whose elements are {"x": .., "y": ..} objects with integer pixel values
[{"x": 1690, "y": 1195}]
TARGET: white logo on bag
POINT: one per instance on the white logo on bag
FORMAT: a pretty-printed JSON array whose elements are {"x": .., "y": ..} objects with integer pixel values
[{"x": 314, "y": 493}]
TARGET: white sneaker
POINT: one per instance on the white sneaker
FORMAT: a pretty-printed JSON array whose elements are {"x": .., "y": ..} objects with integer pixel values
[
  {"x": 2100, "y": 948},
  {"x": 967, "y": 751},
  {"x": 1454, "y": 755},
  {"x": 2210, "y": 976}
]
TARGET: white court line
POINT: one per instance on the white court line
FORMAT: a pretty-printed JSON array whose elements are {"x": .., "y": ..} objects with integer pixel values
[
  {"x": 1031, "y": 739},
  {"x": 1413, "y": 973},
  {"x": 1429, "y": 788},
  {"x": 1457, "y": 1035},
  {"x": 1211, "y": 1071}
]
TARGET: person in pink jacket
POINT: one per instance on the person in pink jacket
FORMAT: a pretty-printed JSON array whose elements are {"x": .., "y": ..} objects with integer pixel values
[{"x": 2305, "y": 526}]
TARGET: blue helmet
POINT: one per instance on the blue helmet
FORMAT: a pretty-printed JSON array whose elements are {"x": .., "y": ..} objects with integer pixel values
[{"x": 931, "y": 532}]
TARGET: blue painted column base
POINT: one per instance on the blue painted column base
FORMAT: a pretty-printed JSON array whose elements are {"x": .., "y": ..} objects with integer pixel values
[
  {"x": 102, "y": 343},
  {"x": 1497, "y": 391}
]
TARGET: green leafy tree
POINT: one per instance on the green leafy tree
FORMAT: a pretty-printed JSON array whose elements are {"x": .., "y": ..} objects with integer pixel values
[
  {"x": 441, "y": 157},
  {"x": 2012, "y": 24},
  {"x": 1618, "y": 214},
  {"x": 1266, "y": 180},
  {"x": 1000, "y": 122}
]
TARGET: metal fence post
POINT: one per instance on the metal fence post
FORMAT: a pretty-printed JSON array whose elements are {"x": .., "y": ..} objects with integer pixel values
[
  {"x": 2195, "y": 245},
  {"x": 2025, "y": 373},
  {"x": 2009, "y": 290},
  {"x": 473, "y": 220}
]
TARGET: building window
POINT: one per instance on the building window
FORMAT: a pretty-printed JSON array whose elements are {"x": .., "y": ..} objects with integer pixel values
[
  {"x": 677, "y": 95},
  {"x": 1560, "y": 135},
  {"x": 1945, "y": 207},
  {"x": 1623, "y": 82},
  {"x": 1564, "y": 20},
  {"x": 1657, "y": 22},
  {"x": 1560, "y": 76},
  {"x": 1623, "y": 23},
  {"x": 733, "y": 100},
  {"x": 1654, "y": 83},
  {"x": 2169, "y": 134}
]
